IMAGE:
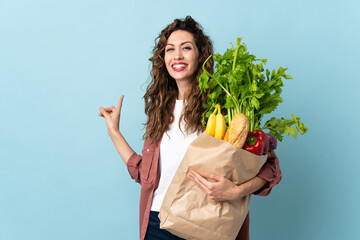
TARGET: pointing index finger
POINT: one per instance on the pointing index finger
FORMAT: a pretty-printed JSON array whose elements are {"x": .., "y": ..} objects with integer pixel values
[{"x": 120, "y": 103}]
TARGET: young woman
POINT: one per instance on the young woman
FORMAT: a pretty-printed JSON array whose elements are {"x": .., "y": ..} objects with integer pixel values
[{"x": 173, "y": 105}]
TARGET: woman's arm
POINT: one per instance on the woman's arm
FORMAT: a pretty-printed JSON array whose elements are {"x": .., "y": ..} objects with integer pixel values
[
  {"x": 251, "y": 186},
  {"x": 123, "y": 148},
  {"x": 112, "y": 119},
  {"x": 220, "y": 188}
]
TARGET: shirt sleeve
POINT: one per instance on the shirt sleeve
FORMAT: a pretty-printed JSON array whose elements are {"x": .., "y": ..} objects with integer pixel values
[
  {"x": 133, "y": 166},
  {"x": 270, "y": 172}
]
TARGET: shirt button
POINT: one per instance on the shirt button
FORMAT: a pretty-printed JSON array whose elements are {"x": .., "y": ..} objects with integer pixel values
[{"x": 147, "y": 150}]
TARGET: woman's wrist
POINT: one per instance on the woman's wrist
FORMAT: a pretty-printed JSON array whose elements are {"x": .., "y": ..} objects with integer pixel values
[
  {"x": 250, "y": 186},
  {"x": 114, "y": 134},
  {"x": 239, "y": 191}
]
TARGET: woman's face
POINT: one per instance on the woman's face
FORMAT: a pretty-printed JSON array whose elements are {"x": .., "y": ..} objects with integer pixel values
[{"x": 181, "y": 56}]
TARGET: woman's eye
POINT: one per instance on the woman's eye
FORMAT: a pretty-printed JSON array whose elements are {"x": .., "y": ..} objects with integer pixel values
[
  {"x": 169, "y": 49},
  {"x": 187, "y": 48}
]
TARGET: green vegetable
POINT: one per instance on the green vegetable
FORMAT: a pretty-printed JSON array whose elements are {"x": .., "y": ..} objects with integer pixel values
[
  {"x": 278, "y": 127},
  {"x": 240, "y": 86}
]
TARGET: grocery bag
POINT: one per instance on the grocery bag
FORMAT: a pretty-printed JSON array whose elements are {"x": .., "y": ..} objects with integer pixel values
[{"x": 188, "y": 212}]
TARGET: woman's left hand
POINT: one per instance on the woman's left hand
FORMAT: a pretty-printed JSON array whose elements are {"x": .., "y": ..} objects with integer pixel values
[{"x": 218, "y": 188}]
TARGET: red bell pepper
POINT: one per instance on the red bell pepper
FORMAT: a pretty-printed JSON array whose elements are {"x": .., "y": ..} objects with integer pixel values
[{"x": 257, "y": 142}]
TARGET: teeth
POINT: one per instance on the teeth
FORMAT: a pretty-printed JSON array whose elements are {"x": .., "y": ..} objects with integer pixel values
[{"x": 177, "y": 66}]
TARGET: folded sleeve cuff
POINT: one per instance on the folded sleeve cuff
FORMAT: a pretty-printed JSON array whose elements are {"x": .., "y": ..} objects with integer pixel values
[
  {"x": 133, "y": 166},
  {"x": 270, "y": 172}
]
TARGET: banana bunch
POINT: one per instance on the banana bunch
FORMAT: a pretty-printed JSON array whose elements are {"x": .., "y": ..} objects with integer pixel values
[{"x": 216, "y": 124}]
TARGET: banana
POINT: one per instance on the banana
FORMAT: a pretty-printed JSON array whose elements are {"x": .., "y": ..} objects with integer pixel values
[
  {"x": 220, "y": 124},
  {"x": 211, "y": 124}
]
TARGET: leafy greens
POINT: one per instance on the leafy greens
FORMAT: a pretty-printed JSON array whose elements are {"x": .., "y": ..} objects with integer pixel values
[{"x": 240, "y": 86}]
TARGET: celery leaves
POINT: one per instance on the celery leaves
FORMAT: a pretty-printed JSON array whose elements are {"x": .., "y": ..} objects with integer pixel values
[{"x": 242, "y": 85}]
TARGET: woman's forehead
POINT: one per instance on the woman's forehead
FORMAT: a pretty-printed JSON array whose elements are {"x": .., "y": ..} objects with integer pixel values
[{"x": 180, "y": 37}]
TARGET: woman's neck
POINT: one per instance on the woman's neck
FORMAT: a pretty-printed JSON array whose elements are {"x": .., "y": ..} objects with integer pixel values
[{"x": 183, "y": 87}]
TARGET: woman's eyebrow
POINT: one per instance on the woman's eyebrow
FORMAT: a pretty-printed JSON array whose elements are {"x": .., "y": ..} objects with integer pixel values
[
  {"x": 186, "y": 42},
  {"x": 180, "y": 44}
]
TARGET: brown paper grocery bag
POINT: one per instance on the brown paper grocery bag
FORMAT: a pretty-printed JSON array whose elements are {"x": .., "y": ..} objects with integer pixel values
[{"x": 188, "y": 212}]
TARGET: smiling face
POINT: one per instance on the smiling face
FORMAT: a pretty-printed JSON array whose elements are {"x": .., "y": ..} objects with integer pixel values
[{"x": 181, "y": 56}]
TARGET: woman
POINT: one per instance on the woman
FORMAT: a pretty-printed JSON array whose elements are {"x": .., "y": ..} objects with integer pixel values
[{"x": 173, "y": 104}]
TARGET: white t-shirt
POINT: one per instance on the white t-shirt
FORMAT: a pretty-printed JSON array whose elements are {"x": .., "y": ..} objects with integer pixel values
[{"x": 173, "y": 147}]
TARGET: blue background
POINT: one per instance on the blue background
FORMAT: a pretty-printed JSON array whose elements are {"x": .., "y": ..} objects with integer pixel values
[{"x": 60, "y": 175}]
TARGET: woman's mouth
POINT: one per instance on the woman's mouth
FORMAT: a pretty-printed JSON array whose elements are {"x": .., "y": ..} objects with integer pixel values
[{"x": 178, "y": 67}]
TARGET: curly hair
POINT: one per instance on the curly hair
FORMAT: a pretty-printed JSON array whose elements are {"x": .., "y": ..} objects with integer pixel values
[{"x": 162, "y": 91}]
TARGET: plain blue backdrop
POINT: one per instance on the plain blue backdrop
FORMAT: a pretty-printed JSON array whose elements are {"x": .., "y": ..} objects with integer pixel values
[{"x": 60, "y": 175}]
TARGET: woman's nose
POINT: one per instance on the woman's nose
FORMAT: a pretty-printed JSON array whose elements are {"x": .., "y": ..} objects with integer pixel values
[{"x": 178, "y": 54}]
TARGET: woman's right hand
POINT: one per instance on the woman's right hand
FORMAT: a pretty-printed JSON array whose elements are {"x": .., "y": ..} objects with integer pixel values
[{"x": 112, "y": 117}]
